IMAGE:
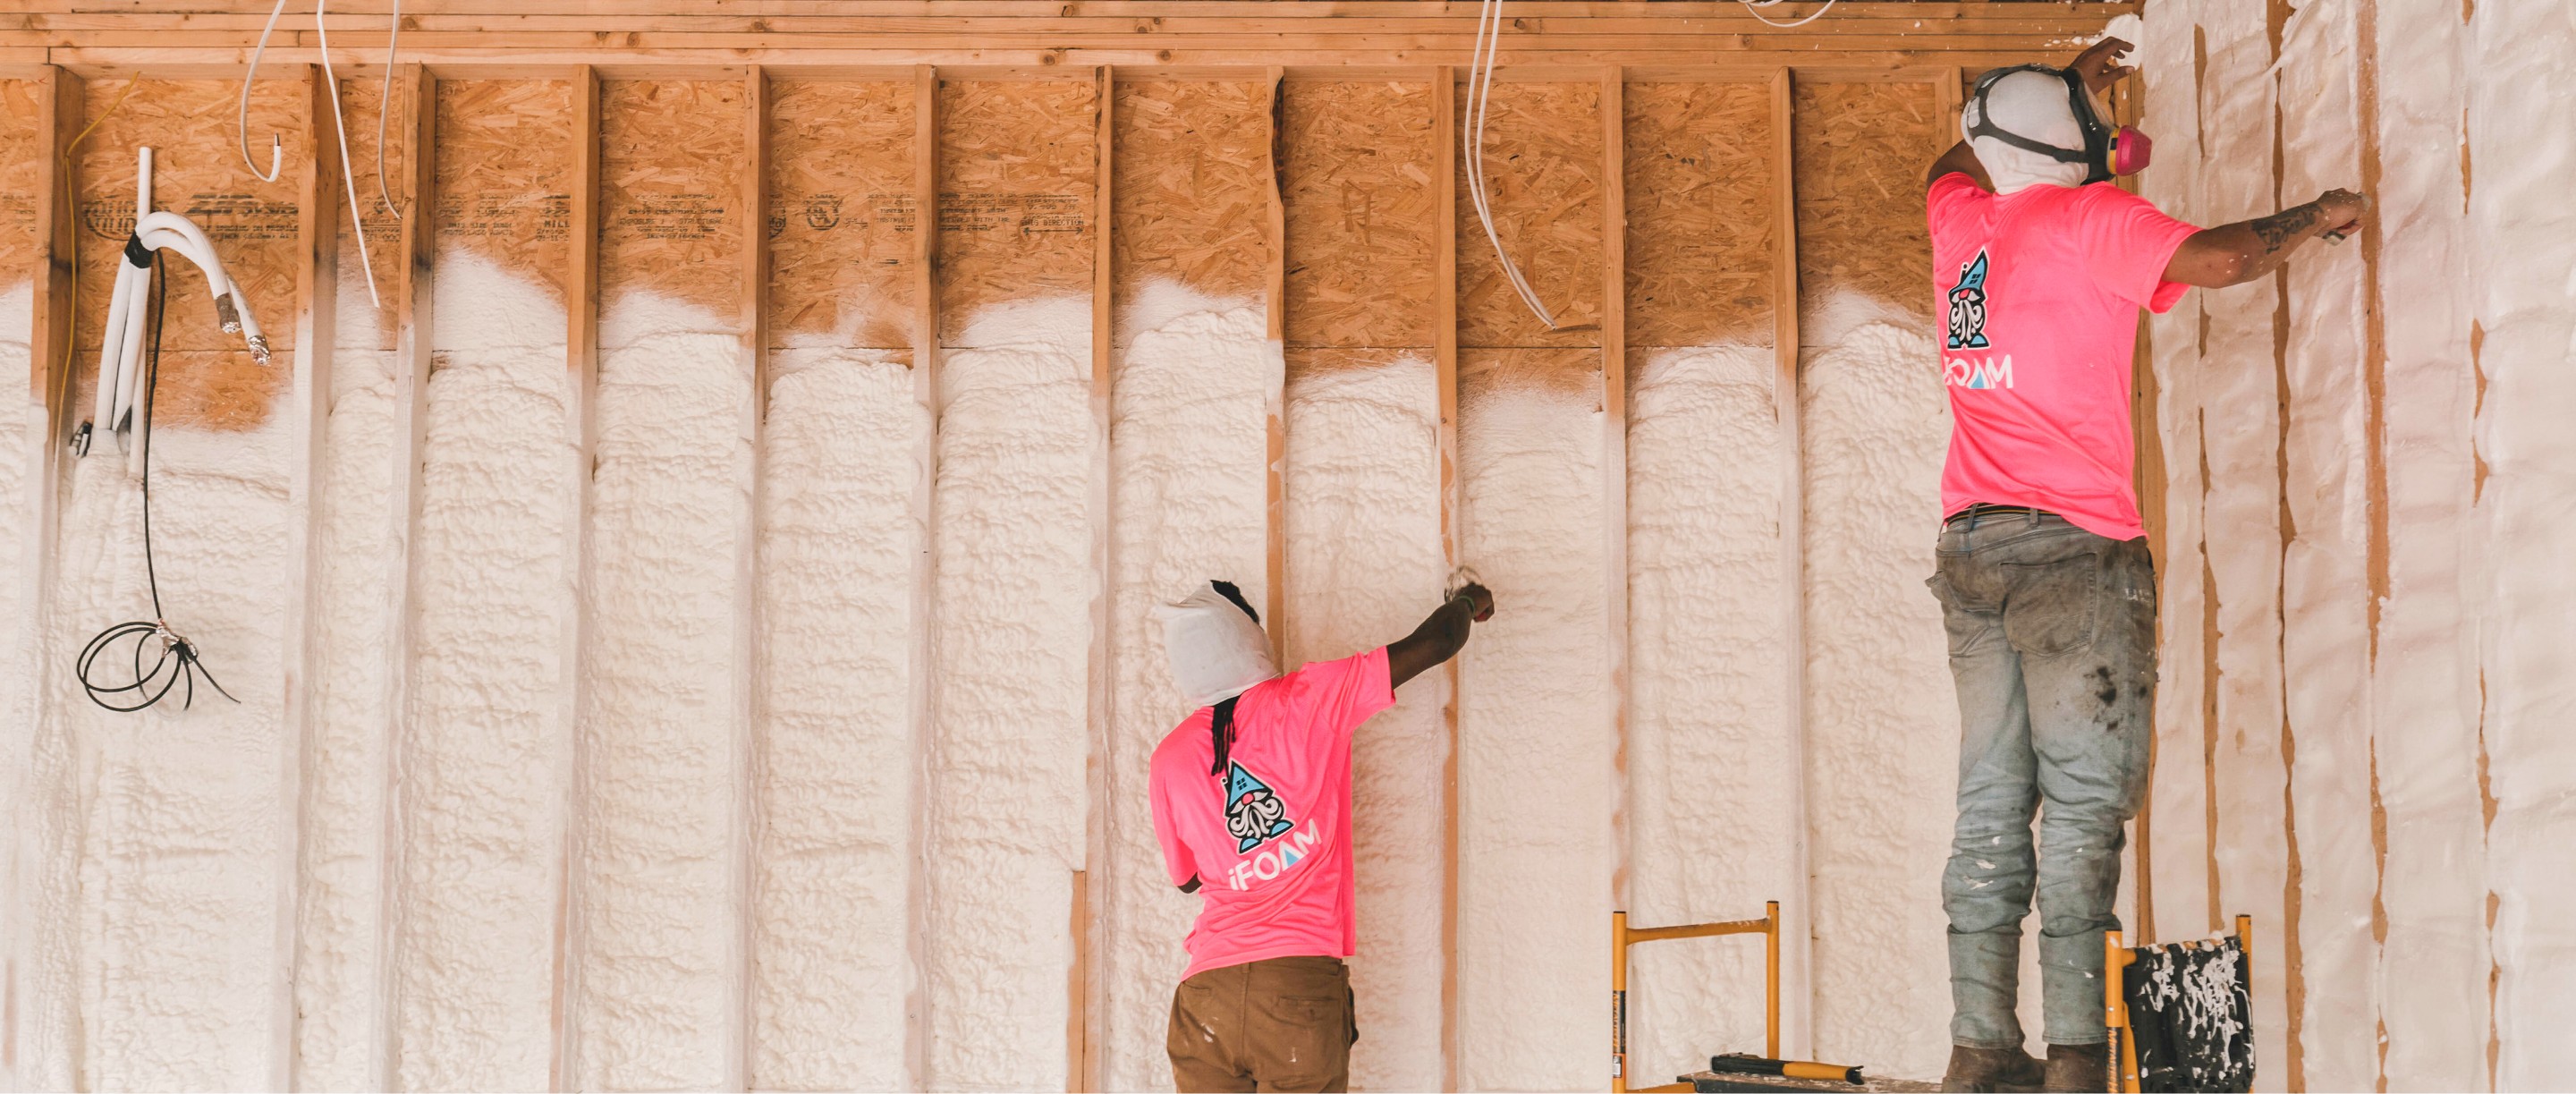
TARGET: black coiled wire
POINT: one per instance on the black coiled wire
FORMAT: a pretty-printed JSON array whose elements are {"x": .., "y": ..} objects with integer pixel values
[{"x": 177, "y": 659}]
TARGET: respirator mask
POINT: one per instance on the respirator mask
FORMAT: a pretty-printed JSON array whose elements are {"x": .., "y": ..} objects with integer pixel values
[{"x": 2107, "y": 151}]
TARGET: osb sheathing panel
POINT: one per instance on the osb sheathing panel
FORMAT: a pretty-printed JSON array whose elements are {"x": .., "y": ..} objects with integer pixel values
[
  {"x": 1543, "y": 184},
  {"x": 1190, "y": 181},
  {"x": 22, "y": 153},
  {"x": 358, "y": 100},
  {"x": 841, "y": 209},
  {"x": 208, "y": 379},
  {"x": 671, "y": 154},
  {"x": 1701, "y": 213},
  {"x": 1304, "y": 362},
  {"x": 504, "y": 174},
  {"x": 1356, "y": 179},
  {"x": 1017, "y": 186},
  {"x": 1566, "y": 369},
  {"x": 1859, "y": 152}
]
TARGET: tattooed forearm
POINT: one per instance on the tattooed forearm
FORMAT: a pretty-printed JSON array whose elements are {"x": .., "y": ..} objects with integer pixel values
[{"x": 2285, "y": 227}]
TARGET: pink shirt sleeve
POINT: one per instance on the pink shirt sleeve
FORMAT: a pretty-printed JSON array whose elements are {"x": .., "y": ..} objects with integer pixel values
[
  {"x": 1952, "y": 197},
  {"x": 1338, "y": 696},
  {"x": 1177, "y": 860},
  {"x": 2126, "y": 242}
]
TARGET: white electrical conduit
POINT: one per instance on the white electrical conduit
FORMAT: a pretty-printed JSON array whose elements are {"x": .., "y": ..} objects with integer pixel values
[
  {"x": 339, "y": 126},
  {"x": 120, "y": 354},
  {"x": 1480, "y": 85}
]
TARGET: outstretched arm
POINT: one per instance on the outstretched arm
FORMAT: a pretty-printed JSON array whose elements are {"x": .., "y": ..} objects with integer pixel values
[
  {"x": 1440, "y": 636},
  {"x": 2233, "y": 254}
]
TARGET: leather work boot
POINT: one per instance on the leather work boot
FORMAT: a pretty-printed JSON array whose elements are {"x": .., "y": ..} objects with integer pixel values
[
  {"x": 2001, "y": 1069},
  {"x": 2078, "y": 1067}
]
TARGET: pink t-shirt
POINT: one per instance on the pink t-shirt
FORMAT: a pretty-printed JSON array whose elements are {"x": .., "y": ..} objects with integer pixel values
[
  {"x": 2041, "y": 290},
  {"x": 1270, "y": 840}
]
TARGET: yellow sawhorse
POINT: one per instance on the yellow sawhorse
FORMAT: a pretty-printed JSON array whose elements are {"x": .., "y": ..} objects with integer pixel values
[{"x": 1623, "y": 936}]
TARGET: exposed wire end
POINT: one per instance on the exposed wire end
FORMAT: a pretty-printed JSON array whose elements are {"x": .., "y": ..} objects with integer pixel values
[
  {"x": 259, "y": 348},
  {"x": 227, "y": 315}
]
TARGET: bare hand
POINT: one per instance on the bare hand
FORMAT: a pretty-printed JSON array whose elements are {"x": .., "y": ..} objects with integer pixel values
[
  {"x": 2341, "y": 212},
  {"x": 2100, "y": 66},
  {"x": 1480, "y": 601}
]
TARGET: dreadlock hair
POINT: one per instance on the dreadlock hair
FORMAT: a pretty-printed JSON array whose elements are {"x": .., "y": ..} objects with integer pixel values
[{"x": 1221, "y": 719}]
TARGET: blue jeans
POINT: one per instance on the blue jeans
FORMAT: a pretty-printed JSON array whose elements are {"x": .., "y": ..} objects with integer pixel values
[{"x": 2053, "y": 646}]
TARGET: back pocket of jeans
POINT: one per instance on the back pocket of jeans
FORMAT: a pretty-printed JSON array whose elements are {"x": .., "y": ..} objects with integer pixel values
[{"x": 2052, "y": 607}]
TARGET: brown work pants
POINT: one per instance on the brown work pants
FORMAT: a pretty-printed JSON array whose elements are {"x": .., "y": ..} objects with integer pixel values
[{"x": 1283, "y": 1024}]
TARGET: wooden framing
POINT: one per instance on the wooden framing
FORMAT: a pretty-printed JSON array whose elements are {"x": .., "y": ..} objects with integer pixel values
[
  {"x": 413, "y": 301},
  {"x": 1793, "y": 564},
  {"x": 581, "y": 358},
  {"x": 925, "y": 387},
  {"x": 317, "y": 291},
  {"x": 1444, "y": 356},
  {"x": 751, "y": 700},
  {"x": 1614, "y": 452},
  {"x": 59, "y": 107},
  {"x": 1081, "y": 1053},
  {"x": 1275, "y": 326}
]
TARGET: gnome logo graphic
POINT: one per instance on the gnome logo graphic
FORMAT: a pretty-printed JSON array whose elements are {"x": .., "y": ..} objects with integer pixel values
[
  {"x": 1253, "y": 813},
  {"x": 1968, "y": 306}
]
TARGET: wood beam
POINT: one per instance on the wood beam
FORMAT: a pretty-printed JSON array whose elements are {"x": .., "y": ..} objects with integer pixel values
[
  {"x": 317, "y": 290},
  {"x": 1275, "y": 319},
  {"x": 412, "y": 268},
  {"x": 1614, "y": 450},
  {"x": 751, "y": 705},
  {"x": 1080, "y": 1050},
  {"x": 1796, "y": 1002},
  {"x": 581, "y": 359},
  {"x": 1444, "y": 356},
  {"x": 59, "y": 98},
  {"x": 925, "y": 570}
]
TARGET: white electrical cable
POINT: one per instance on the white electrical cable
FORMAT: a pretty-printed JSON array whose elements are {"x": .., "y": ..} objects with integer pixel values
[
  {"x": 121, "y": 346},
  {"x": 241, "y": 127},
  {"x": 1480, "y": 85},
  {"x": 348, "y": 181},
  {"x": 340, "y": 125},
  {"x": 384, "y": 101},
  {"x": 1754, "y": 8}
]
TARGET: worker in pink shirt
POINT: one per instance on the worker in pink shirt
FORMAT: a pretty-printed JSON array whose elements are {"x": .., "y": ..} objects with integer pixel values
[
  {"x": 2046, "y": 587},
  {"x": 1252, "y": 802}
]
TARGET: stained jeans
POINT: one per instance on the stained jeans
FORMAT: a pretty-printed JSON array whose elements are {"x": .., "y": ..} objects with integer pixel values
[{"x": 2053, "y": 647}]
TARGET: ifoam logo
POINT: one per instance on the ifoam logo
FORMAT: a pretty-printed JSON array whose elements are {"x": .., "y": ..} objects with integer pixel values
[
  {"x": 1967, "y": 300},
  {"x": 1275, "y": 859},
  {"x": 1253, "y": 812},
  {"x": 1978, "y": 375}
]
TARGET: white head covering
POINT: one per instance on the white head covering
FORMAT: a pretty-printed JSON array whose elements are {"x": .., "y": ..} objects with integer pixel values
[
  {"x": 2033, "y": 105},
  {"x": 1217, "y": 652}
]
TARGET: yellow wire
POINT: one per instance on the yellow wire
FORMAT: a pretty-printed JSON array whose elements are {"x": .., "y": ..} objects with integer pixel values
[{"x": 71, "y": 343}]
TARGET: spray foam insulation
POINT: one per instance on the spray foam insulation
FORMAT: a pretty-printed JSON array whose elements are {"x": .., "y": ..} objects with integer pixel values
[
  {"x": 1356, "y": 178},
  {"x": 2326, "y": 630},
  {"x": 1017, "y": 443},
  {"x": 1535, "y": 739},
  {"x": 1704, "y": 575},
  {"x": 662, "y": 735},
  {"x": 485, "y": 742},
  {"x": 208, "y": 378},
  {"x": 841, "y": 213},
  {"x": 1193, "y": 383},
  {"x": 22, "y": 398},
  {"x": 2425, "y": 698},
  {"x": 339, "y": 958},
  {"x": 1874, "y": 426},
  {"x": 172, "y": 981},
  {"x": 1543, "y": 164},
  {"x": 844, "y": 438}
]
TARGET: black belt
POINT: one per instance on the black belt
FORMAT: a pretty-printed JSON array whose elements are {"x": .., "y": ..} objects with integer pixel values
[{"x": 1982, "y": 509}]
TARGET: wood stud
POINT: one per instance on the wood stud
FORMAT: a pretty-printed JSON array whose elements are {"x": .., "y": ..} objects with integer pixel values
[
  {"x": 1796, "y": 996},
  {"x": 925, "y": 387},
  {"x": 317, "y": 291},
  {"x": 1614, "y": 452},
  {"x": 1080, "y": 1052},
  {"x": 581, "y": 353},
  {"x": 751, "y": 705},
  {"x": 1444, "y": 356}
]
